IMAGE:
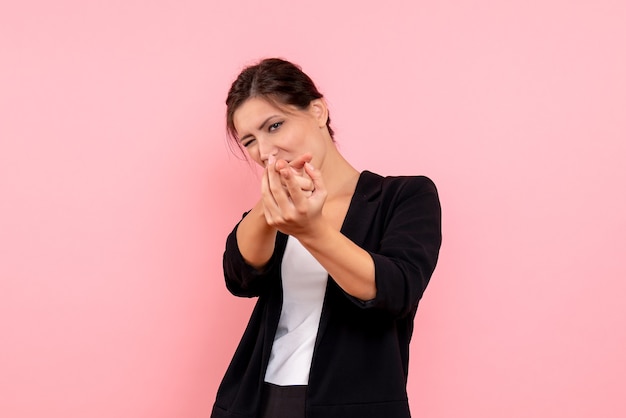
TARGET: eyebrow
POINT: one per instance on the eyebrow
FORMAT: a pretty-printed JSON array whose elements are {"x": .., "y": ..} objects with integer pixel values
[{"x": 260, "y": 127}]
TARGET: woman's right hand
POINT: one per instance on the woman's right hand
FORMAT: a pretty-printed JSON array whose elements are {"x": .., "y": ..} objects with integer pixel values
[
  {"x": 297, "y": 168},
  {"x": 255, "y": 236},
  {"x": 286, "y": 205}
]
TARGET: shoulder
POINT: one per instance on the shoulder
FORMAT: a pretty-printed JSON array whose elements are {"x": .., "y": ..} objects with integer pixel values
[{"x": 375, "y": 185}]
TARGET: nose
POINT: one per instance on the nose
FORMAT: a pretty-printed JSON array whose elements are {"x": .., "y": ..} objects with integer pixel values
[{"x": 266, "y": 148}]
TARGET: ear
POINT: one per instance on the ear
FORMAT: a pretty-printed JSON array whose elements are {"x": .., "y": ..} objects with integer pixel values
[{"x": 319, "y": 110}]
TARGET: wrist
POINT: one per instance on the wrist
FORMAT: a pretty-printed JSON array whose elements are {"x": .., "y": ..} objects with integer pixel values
[{"x": 316, "y": 234}]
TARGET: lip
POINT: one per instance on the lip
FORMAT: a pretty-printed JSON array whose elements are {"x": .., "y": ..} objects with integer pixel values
[{"x": 266, "y": 161}]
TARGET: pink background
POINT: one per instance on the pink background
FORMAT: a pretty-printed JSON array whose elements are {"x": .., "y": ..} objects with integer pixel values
[{"x": 117, "y": 189}]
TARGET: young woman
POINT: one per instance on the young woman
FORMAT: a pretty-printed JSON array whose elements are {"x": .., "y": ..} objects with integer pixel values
[{"x": 338, "y": 259}]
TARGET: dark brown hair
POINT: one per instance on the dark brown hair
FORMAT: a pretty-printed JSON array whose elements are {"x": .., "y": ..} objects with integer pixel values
[{"x": 276, "y": 80}]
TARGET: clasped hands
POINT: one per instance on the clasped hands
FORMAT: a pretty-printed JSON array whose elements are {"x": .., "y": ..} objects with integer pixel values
[{"x": 293, "y": 194}]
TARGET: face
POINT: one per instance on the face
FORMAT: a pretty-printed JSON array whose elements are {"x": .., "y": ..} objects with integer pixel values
[{"x": 286, "y": 132}]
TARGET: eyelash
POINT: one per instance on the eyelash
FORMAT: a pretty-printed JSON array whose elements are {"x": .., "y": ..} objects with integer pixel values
[
  {"x": 274, "y": 126},
  {"x": 271, "y": 128}
]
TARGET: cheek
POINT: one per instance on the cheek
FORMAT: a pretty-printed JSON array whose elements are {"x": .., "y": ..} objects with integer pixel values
[
  {"x": 294, "y": 138},
  {"x": 253, "y": 154}
]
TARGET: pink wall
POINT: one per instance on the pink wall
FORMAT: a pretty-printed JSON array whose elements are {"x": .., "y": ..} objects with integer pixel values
[{"x": 117, "y": 190}]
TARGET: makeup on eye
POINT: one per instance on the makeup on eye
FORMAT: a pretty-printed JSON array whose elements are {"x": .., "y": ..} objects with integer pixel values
[
  {"x": 248, "y": 138},
  {"x": 274, "y": 126}
]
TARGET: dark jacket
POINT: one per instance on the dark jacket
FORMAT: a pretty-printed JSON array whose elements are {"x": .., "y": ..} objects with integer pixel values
[{"x": 360, "y": 361}]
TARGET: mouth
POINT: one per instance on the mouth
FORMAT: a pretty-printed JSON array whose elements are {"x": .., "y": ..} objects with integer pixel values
[{"x": 266, "y": 162}]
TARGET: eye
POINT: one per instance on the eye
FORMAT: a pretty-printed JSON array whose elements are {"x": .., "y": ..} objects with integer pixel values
[
  {"x": 274, "y": 126},
  {"x": 246, "y": 143}
]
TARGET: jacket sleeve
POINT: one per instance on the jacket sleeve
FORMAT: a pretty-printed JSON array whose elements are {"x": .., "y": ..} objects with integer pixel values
[
  {"x": 241, "y": 278},
  {"x": 408, "y": 249}
]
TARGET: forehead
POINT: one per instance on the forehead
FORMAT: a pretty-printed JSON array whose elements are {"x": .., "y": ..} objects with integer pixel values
[{"x": 254, "y": 111}]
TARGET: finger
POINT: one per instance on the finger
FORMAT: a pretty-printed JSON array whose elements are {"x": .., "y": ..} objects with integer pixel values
[
  {"x": 276, "y": 198},
  {"x": 315, "y": 175},
  {"x": 296, "y": 166},
  {"x": 270, "y": 208},
  {"x": 299, "y": 162},
  {"x": 267, "y": 180},
  {"x": 305, "y": 183},
  {"x": 280, "y": 164},
  {"x": 278, "y": 190},
  {"x": 296, "y": 195}
]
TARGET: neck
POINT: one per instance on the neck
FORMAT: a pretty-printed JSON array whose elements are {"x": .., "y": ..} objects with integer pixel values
[{"x": 338, "y": 175}]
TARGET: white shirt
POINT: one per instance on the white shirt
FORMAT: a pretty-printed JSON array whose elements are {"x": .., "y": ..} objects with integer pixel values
[{"x": 304, "y": 286}]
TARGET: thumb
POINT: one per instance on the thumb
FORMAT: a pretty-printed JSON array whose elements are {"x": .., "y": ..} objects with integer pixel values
[
  {"x": 299, "y": 162},
  {"x": 316, "y": 177}
]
